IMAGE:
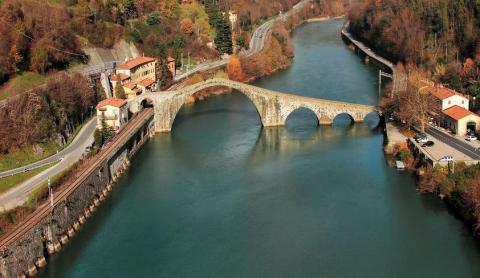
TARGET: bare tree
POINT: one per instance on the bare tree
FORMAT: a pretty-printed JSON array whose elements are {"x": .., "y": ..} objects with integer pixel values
[{"x": 416, "y": 105}]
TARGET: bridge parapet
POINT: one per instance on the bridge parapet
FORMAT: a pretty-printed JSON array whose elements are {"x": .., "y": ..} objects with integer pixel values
[{"x": 273, "y": 107}]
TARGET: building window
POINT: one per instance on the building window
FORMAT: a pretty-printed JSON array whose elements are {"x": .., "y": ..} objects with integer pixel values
[
  {"x": 449, "y": 102},
  {"x": 463, "y": 102}
]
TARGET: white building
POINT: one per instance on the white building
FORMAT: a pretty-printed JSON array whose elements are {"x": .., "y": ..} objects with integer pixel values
[
  {"x": 114, "y": 111},
  {"x": 449, "y": 98},
  {"x": 455, "y": 115}
]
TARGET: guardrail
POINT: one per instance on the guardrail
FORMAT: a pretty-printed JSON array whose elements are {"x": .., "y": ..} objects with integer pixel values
[{"x": 44, "y": 209}]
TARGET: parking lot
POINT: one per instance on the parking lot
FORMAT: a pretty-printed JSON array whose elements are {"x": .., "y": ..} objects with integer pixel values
[{"x": 441, "y": 149}]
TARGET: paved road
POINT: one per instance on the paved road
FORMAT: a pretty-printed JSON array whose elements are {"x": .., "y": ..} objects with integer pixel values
[
  {"x": 367, "y": 50},
  {"x": 74, "y": 151},
  {"x": 17, "y": 195},
  {"x": 257, "y": 43},
  {"x": 84, "y": 135},
  {"x": 456, "y": 143}
]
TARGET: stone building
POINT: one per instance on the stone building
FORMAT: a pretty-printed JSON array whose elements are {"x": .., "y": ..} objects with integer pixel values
[{"x": 138, "y": 69}]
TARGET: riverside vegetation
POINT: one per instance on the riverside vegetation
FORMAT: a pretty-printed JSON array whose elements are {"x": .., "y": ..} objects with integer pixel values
[
  {"x": 436, "y": 40},
  {"x": 276, "y": 55}
]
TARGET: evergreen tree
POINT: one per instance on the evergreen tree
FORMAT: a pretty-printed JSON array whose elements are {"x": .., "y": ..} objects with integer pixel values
[
  {"x": 221, "y": 23},
  {"x": 224, "y": 36},
  {"x": 166, "y": 76},
  {"x": 119, "y": 91},
  {"x": 130, "y": 9},
  {"x": 102, "y": 134}
]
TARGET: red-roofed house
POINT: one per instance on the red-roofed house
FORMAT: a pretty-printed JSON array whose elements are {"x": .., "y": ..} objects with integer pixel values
[
  {"x": 448, "y": 97},
  {"x": 138, "y": 69},
  {"x": 114, "y": 111},
  {"x": 146, "y": 84},
  {"x": 460, "y": 120}
]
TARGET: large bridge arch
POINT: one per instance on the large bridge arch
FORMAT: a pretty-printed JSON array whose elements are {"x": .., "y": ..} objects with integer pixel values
[{"x": 258, "y": 100}]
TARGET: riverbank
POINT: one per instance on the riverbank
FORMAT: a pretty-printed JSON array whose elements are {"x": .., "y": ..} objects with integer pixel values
[
  {"x": 222, "y": 195},
  {"x": 43, "y": 229},
  {"x": 458, "y": 186}
]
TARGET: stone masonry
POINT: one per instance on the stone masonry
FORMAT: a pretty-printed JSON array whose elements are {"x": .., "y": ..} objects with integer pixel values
[{"x": 273, "y": 107}]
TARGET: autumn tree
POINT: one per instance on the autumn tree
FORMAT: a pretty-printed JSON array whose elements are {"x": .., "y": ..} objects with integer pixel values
[
  {"x": 416, "y": 104},
  {"x": 186, "y": 26},
  {"x": 194, "y": 79},
  {"x": 234, "y": 69}
]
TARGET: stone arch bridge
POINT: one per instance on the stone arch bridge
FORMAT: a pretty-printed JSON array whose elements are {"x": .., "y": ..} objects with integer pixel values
[{"x": 273, "y": 107}]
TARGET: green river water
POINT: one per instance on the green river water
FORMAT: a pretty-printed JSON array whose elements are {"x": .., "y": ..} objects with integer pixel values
[{"x": 222, "y": 197}]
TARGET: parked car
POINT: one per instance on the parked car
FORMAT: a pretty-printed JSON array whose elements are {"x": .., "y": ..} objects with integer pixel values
[
  {"x": 446, "y": 158},
  {"x": 428, "y": 144},
  {"x": 420, "y": 135},
  {"x": 471, "y": 137},
  {"x": 422, "y": 140}
]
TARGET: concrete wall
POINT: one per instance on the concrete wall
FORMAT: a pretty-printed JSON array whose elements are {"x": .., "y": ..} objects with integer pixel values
[{"x": 32, "y": 249}]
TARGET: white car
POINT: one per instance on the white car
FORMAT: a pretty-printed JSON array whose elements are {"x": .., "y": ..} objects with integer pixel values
[
  {"x": 446, "y": 158},
  {"x": 471, "y": 138},
  {"x": 422, "y": 140}
]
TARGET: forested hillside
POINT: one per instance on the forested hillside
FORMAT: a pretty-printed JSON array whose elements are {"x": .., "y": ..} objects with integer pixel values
[
  {"x": 47, "y": 113},
  {"x": 442, "y": 36},
  {"x": 41, "y": 36}
]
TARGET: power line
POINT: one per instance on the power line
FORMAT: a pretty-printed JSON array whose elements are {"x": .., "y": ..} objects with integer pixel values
[{"x": 49, "y": 46}]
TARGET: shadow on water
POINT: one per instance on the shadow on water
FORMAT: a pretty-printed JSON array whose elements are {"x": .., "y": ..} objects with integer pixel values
[{"x": 190, "y": 112}]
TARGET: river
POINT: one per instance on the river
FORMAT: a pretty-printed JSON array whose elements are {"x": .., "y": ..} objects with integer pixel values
[{"x": 222, "y": 197}]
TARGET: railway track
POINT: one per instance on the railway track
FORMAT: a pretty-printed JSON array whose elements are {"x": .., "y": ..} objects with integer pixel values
[{"x": 43, "y": 210}]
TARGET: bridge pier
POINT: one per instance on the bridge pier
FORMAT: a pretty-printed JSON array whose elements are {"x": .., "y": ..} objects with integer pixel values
[{"x": 273, "y": 107}]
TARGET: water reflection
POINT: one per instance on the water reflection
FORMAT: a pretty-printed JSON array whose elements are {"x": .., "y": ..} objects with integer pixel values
[{"x": 282, "y": 140}]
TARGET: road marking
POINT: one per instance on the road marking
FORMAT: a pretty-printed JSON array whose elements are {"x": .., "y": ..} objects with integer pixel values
[{"x": 452, "y": 141}]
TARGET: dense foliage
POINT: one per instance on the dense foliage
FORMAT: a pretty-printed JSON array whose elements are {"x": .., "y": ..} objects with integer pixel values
[
  {"x": 50, "y": 112},
  {"x": 461, "y": 188},
  {"x": 44, "y": 35},
  {"x": 423, "y": 31},
  {"x": 441, "y": 36}
]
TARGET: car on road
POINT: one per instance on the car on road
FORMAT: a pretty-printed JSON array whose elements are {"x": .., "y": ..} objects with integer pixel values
[
  {"x": 428, "y": 144},
  {"x": 446, "y": 158},
  {"x": 471, "y": 137},
  {"x": 421, "y": 138}
]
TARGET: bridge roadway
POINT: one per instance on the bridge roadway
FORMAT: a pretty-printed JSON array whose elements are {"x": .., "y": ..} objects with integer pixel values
[
  {"x": 59, "y": 197},
  {"x": 273, "y": 107}
]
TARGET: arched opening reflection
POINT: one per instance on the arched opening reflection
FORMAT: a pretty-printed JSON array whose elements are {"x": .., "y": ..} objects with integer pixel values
[
  {"x": 372, "y": 120},
  {"x": 220, "y": 128},
  {"x": 343, "y": 121},
  {"x": 302, "y": 123}
]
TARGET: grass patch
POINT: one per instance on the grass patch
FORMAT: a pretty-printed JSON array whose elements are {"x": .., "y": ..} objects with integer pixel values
[
  {"x": 41, "y": 192},
  {"x": 9, "y": 182},
  {"x": 27, "y": 155},
  {"x": 21, "y": 83}
]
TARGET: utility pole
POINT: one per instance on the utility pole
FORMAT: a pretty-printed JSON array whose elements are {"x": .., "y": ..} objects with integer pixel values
[
  {"x": 181, "y": 61},
  {"x": 380, "y": 74},
  {"x": 50, "y": 192},
  {"x": 379, "y": 83}
]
